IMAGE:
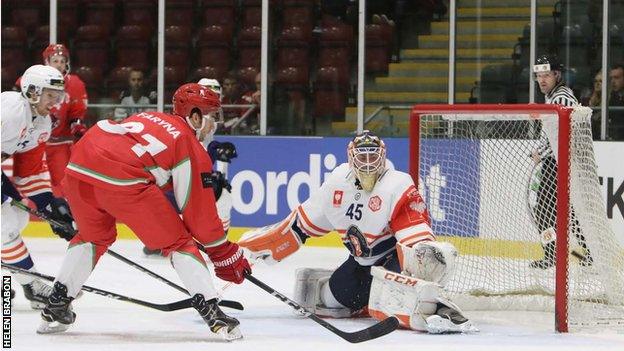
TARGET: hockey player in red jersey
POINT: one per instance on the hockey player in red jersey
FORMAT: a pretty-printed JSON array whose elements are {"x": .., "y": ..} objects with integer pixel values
[
  {"x": 67, "y": 117},
  {"x": 119, "y": 172},
  {"x": 395, "y": 266}
]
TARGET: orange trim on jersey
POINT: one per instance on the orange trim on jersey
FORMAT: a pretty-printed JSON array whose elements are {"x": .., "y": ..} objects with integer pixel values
[
  {"x": 402, "y": 199},
  {"x": 16, "y": 247},
  {"x": 35, "y": 179},
  {"x": 37, "y": 189},
  {"x": 18, "y": 254},
  {"x": 309, "y": 223},
  {"x": 380, "y": 316},
  {"x": 421, "y": 234},
  {"x": 370, "y": 238},
  {"x": 34, "y": 186}
]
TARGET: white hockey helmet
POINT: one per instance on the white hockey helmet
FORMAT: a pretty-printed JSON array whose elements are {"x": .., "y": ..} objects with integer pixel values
[
  {"x": 212, "y": 84},
  {"x": 39, "y": 77},
  {"x": 367, "y": 158}
]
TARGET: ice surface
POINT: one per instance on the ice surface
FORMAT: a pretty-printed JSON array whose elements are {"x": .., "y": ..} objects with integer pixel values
[{"x": 266, "y": 323}]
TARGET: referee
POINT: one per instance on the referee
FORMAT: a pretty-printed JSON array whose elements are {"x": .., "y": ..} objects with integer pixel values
[{"x": 548, "y": 72}]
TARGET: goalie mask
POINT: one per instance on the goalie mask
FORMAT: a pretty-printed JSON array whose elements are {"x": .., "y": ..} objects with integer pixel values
[
  {"x": 367, "y": 159},
  {"x": 192, "y": 96}
]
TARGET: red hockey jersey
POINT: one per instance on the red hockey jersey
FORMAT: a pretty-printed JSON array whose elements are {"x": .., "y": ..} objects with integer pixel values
[{"x": 152, "y": 148}]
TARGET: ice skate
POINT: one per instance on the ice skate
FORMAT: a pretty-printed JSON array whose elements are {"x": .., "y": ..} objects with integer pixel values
[
  {"x": 57, "y": 316},
  {"x": 37, "y": 293},
  {"x": 218, "y": 322}
]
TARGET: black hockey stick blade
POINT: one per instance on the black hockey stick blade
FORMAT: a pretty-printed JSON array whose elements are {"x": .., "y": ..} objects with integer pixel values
[
  {"x": 169, "y": 307},
  {"x": 379, "y": 329},
  {"x": 224, "y": 303}
]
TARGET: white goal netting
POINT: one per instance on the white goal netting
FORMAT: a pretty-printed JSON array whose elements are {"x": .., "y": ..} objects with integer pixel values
[{"x": 489, "y": 177}]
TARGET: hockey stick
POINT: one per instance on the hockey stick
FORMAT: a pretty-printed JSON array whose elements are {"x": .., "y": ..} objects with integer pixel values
[
  {"x": 225, "y": 303},
  {"x": 169, "y": 307},
  {"x": 379, "y": 329}
]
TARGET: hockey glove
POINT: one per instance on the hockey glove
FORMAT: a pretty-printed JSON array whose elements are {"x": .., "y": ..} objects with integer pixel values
[
  {"x": 77, "y": 128},
  {"x": 219, "y": 182},
  {"x": 224, "y": 152},
  {"x": 229, "y": 262},
  {"x": 58, "y": 209}
]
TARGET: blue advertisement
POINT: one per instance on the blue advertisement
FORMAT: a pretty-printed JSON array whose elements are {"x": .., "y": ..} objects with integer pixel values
[{"x": 272, "y": 175}]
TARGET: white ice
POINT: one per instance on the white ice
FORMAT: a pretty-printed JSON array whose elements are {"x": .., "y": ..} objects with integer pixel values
[{"x": 266, "y": 323}]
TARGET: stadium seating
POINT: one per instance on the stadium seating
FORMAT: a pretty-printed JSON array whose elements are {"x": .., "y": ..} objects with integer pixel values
[
  {"x": 213, "y": 47},
  {"x": 133, "y": 46},
  {"x": 212, "y": 72},
  {"x": 26, "y": 13},
  {"x": 177, "y": 45},
  {"x": 9, "y": 76},
  {"x": 92, "y": 79},
  {"x": 179, "y": 13},
  {"x": 117, "y": 81},
  {"x": 220, "y": 13},
  {"x": 101, "y": 12},
  {"x": 13, "y": 45},
  {"x": 249, "y": 47},
  {"x": 91, "y": 47}
]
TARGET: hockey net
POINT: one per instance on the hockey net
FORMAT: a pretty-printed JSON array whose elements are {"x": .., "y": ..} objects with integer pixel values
[{"x": 473, "y": 164}]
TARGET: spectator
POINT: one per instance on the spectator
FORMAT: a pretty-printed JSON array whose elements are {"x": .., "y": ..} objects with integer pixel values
[
  {"x": 615, "y": 122},
  {"x": 253, "y": 97},
  {"x": 231, "y": 96},
  {"x": 592, "y": 99},
  {"x": 135, "y": 95}
]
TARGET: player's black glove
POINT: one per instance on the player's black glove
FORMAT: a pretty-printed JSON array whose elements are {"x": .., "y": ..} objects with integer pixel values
[
  {"x": 58, "y": 210},
  {"x": 219, "y": 182},
  {"x": 224, "y": 152}
]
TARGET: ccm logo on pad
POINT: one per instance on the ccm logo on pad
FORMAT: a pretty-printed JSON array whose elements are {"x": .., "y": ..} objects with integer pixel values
[{"x": 401, "y": 279}]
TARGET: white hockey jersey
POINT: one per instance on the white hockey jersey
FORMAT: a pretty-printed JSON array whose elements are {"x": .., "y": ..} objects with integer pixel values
[
  {"x": 369, "y": 224},
  {"x": 24, "y": 137}
]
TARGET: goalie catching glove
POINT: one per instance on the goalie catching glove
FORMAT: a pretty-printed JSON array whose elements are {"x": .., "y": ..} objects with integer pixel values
[
  {"x": 229, "y": 262},
  {"x": 274, "y": 242}
]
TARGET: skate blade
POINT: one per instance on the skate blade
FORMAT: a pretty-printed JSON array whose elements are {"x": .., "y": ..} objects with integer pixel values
[
  {"x": 438, "y": 325},
  {"x": 231, "y": 335},
  {"x": 52, "y": 327}
]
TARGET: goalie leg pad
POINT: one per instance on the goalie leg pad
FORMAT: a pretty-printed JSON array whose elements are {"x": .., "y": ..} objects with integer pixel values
[
  {"x": 313, "y": 293},
  {"x": 409, "y": 299},
  {"x": 432, "y": 261}
]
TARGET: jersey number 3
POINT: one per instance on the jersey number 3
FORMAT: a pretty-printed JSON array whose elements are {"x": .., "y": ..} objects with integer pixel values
[{"x": 153, "y": 147}]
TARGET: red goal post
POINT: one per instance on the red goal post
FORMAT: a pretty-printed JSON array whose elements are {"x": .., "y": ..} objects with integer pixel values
[{"x": 473, "y": 164}]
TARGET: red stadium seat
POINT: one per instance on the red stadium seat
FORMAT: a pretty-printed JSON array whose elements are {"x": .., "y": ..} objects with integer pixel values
[
  {"x": 140, "y": 11},
  {"x": 179, "y": 12},
  {"x": 92, "y": 78},
  {"x": 330, "y": 103},
  {"x": 117, "y": 81},
  {"x": 221, "y": 13},
  {"x": 293, "y": 56},
  {"x": 9, "y": 76},
  {"x": 332, "y": 78},
  {"x": 336, "y": 35},
  {"x": 295, "y": 35},
  {"x": 247, "y": 75},
  {"x": 208, "y": 72},
  {"x": 293, "y": 77},
  {"x": 249, "y": 47},
  {"x": 377, "y": 48},
  {"x": 334, "y": 56},
  {"x": 13, "y": 44},
  {"x": 252, "y": 16},
  {"x": 177, "y": 46},
  {"x": 91, "y": 47},
  {"x": 133, "y": 46},
  {"x": 101, "y": 12},
  {"x": 174, "y": 77},
  {"x": 300, "y": 16},
  {"x": 67, "y": 16},
  {"x": 26, "y": 13}
]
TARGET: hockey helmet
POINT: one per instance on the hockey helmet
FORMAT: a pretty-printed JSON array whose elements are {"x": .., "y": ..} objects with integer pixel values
[
  {"x": 212, "y": 84},
  {"x": 192, "y": 96},
  {"x": 367, "y": 158},
  {"x": 40, "y": 77},
  {"x": 547, "y": 63},
  {"x": 55, "y": 50}
]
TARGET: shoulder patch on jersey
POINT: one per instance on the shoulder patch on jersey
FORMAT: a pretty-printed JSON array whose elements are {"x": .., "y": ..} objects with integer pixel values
[
  {"x": 374, "y": 203},
  {"x": 337, "y": 200}
]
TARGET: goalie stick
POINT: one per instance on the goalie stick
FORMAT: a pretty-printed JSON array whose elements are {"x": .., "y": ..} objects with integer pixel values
[
  {"x": 168, "y": 307},
  {"x": 224, "y": 303},
  {"x": 379, "y": 329}
]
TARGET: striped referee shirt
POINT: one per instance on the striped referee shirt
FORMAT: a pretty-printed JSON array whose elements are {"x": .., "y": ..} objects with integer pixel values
[{"x": 560, "y": 95}]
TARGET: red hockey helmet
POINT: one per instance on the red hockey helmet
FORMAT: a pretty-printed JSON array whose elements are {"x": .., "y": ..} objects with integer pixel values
[
  {"x": 192, "y": 96},
  {"x": 54, "y": 50}
]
